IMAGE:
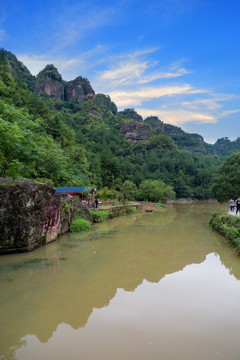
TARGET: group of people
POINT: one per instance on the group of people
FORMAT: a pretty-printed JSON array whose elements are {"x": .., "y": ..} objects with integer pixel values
[{"x": 235, "y": 205}]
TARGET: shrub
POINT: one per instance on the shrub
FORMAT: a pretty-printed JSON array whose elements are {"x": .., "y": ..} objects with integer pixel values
[
  {"x": 79, "y": 224},
  {"x": 227, "y": 226},
  {"x": 106, "y": 193},
  {"x": 99, "y": 215}
]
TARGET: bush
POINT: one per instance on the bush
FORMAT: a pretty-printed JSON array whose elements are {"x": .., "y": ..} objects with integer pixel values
[
  {"x": 79, "y": 224},
  {"x": 156, "y": 191},
  {"x": 99, "y": 215},
  {"x": 228, "y": 226},
  {"x": 106, "y": 193}
]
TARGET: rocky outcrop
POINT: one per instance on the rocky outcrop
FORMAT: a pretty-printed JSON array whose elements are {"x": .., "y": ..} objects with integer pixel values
[
  {"x": 79, "y": 89},
  {"x": 197, "y": 137},
  {"x": 49, "y": 81},
  {"x": 31, "y": 215},
  {"x": 136, "y": 131}
]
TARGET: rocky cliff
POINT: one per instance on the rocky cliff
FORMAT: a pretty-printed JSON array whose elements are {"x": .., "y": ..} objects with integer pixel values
[
  {"x": 49, "y": 81},
  {"x": 79, "y": 89},
  {"x": 31, "y": 215},
  {"x": 136, "y": 131}
]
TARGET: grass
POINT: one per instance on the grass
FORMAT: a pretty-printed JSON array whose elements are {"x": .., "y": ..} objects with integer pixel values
[
  {"x": 79, "y": 224},
  {"x": 228, "y": 226},
  {"x": 160, "y": 206},
  {"x": 100, "y": 215}
]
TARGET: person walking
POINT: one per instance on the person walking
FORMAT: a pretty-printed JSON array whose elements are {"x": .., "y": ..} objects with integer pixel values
[
  {"x": 238, "y": 205},
  {"x": 96, "y": 202},
  {"x": 231, "y": 205}
]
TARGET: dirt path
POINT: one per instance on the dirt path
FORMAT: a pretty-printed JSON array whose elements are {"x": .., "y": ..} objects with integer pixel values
[{"x": 233, "y": 213}]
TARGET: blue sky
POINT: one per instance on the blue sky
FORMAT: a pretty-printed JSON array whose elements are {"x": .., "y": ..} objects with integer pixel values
[{"x": 177, "y": 59}]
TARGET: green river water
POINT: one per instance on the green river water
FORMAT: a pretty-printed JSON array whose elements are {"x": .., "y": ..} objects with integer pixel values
[{"x": 143, "y": 287}]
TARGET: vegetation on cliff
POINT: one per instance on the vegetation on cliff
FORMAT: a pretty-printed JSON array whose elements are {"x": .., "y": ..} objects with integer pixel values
[{"x": 65, "y": 135}]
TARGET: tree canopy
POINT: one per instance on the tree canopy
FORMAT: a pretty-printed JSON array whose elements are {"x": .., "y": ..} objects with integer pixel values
[
  {"x": 56, "y": 139},
  {"x": 226, "y": 183}
]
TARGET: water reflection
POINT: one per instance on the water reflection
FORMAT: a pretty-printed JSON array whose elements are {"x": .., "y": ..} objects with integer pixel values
[{"x": 70, "y": 279}]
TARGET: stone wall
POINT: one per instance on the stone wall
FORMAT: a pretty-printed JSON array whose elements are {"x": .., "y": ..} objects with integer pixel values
[{"x": 31, "y": 215}]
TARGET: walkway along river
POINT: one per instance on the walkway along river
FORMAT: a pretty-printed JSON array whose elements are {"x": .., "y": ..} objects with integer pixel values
[{"x": 147, "y": 286}]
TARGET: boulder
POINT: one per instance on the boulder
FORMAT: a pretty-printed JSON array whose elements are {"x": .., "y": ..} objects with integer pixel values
[{"x": 31, "y": 215}]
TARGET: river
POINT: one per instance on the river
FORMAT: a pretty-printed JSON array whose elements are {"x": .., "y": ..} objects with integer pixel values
[{"x": 143, "y": 287}]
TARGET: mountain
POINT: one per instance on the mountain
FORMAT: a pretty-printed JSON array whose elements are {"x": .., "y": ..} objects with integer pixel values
[
  {"x": 62, "y": 133},
  {"x": 50, "y": 82},
  {"x": 9, "y": 63}
]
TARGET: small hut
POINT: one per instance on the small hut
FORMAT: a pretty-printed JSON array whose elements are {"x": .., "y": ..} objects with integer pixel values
[{"x": 83, "y": 192}]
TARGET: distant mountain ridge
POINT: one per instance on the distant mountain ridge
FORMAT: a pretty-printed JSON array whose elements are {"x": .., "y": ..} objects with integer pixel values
[{"x": 50, "y": 83}]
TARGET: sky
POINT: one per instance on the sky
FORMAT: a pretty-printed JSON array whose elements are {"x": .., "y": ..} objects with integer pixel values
[{"x": 175, "y": 59}]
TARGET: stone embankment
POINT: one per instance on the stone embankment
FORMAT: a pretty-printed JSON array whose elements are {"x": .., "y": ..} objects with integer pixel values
[{"x": 31, "y": 215}]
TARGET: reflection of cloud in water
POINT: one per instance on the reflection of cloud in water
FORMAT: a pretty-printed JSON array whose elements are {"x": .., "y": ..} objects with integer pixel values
[
  {"x": 153, "y": 246},
  {"x": 150, "y": 321}
]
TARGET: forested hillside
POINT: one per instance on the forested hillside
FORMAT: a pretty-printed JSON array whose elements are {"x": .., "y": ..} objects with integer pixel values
[{"x": 62, "y": 133}]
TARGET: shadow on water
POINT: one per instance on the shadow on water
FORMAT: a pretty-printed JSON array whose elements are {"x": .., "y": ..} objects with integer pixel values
[{"x": 39, "y": 290}]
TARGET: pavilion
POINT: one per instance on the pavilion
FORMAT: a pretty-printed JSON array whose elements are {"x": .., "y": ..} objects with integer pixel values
[{"x": 82, "y": 192}]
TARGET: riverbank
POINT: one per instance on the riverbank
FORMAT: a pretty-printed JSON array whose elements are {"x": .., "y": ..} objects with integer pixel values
[
  {"x": 227, "y": 225},
  {"x": 83, "y": 219}
]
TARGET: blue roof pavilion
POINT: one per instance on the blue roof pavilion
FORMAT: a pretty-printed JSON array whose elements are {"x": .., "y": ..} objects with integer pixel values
[
  {"x": 75, "y": 190},
  {"x": 80, "y": 191}
]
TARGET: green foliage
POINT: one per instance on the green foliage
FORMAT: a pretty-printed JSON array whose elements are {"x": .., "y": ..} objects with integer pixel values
[
  {"x": 106, "y": 193},
  {"x": 131, "y": 209},
  {"x": 79, "y": 224},
  {"x": 131, "y": 114},
  {"x": 161, "y": 142},
  {"x": 19, "y": 137},
  {"x": 156, "y": 191},
  {"x": 99, "y": 216},
  {"x": 60, "y": 142},
  {"x": 228, "y": 226},
  {"x": 51, "y": 72},
  {"x": 226, "y": 183},
  {"x": 128, "y": 191},
  {"x": 105, "y": 103}
]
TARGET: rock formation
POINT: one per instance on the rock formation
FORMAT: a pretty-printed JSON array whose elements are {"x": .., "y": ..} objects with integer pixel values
[
  {"x": 31, "y": 215},
  {"x": 136, "y": 131},
  {"x": 79, "y": 89},
  {"x": 49, "y": 81}
]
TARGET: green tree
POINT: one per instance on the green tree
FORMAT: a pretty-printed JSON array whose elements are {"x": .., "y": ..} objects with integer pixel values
[
  {"x": 155, "y": 190},
  {"x": 18, "y": 136},
  {"x": 128, "y": 191},
  {"x": 107, "y": 193},
  {"x": 226, "y": 183},
  {"x": 161, "y": 142}
]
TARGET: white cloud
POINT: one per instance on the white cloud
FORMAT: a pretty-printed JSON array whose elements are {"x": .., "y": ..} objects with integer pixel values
[
  {"x": 208, "y": 104},
  {"x": 228, "y": 112},
  {"x": 69, "y": 68},
  {"x": 36, "y": 63},
  {"x": 163, "y": 75},
  {"x": 178, "y": 117},
  {"x": 131, "y": 68},
  {"x": 125, "y": 70},
  {"x": 137, "y": 97}
]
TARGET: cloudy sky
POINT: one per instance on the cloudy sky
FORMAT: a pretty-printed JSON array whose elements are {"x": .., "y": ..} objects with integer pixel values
[{"x": 177, "y": 59}]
